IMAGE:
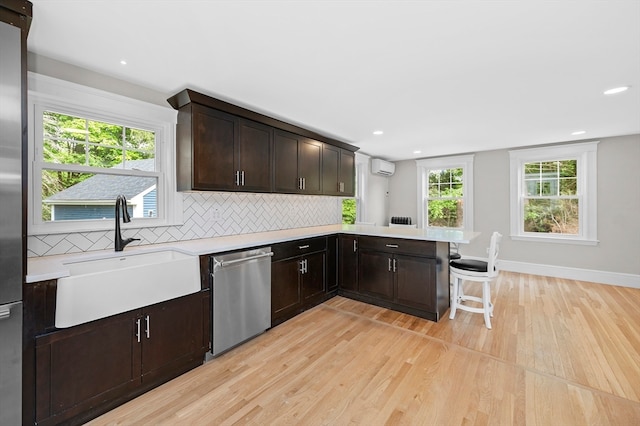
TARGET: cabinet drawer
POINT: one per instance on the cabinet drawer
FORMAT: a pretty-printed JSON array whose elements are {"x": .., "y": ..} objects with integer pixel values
[
  {"x": 398, "y": 245},
  {"x": 298, "y": 247}
]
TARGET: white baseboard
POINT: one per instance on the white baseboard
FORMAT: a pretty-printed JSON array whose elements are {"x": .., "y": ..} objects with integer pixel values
[{"x": 590, "y": 275}]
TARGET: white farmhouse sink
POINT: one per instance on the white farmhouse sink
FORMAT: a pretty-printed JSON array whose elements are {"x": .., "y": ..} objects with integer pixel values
[{"x": 99, "y": 288}]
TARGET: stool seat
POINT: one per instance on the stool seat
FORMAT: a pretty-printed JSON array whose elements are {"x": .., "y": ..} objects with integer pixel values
[
  {"x": 469, "y": 265},
  {"x": 454, "y": 256}
]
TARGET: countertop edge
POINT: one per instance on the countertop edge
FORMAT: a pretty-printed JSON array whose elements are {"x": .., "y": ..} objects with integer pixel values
[{"x": 46, "y": 268}]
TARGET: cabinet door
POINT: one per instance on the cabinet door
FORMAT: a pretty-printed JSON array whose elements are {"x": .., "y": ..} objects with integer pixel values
[
  {"x": 331, "y": 170},
  {"x": 347, "y": 173},
  {"x": 310, "y": 165},
  {"x": 285, "y": 162},
  {"x": 348, "y": 264},
  {"x": 254, "y": 156},
  {"x": 80, "y": 367},
  {"x": 313, "y": 279},
  {"x": 172, "y": 335},
  {"x": 286, "y": 299},
  {"x": 416, "y": 282},
  {"x": 214, "y": 136},
  {"x": 374, "y": 274}
]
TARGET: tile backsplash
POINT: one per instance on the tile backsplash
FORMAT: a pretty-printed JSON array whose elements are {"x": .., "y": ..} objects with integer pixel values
[{"x": 206, "y": 215}]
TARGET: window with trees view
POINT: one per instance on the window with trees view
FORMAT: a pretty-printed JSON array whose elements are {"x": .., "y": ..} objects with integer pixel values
[
  {"x": 96, "y": 150},
  {"x": 445, "y": 202},
  {"x": 446, "y": 190},
  {"x": 553, "y": 192},
  {"x": 89, "y": 146}
]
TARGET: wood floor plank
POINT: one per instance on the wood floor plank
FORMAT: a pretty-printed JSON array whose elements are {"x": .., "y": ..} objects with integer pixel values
[{"x": 561, "y": 352}]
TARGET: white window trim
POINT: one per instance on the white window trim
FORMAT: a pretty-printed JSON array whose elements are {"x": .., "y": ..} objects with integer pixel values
[
  {"x": 586, "y": 156},
  {"x": 47, "y": 93},
  {"x": 439, "y": 163}
]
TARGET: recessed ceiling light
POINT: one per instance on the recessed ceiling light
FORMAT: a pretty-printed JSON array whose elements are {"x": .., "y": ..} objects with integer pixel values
[
  {"x": 123, "y": 62},
  {"x": 579, "y": 132},
  {"x": 616, "y": 90},
  {"x": 417, "y": 152},
  {"x": 378, "y": 132}
]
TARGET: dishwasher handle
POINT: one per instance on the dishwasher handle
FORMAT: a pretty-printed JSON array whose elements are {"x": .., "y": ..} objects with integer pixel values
[{"x": 244, "y": 259}]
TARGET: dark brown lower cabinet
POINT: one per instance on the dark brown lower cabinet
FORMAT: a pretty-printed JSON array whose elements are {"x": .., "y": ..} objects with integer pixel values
[
  {"x": 409, "y": 276},
  {"x": 348, "y": 263},
  {"x": 86, "y": 370},
  {"x": 298, "y": 277}
]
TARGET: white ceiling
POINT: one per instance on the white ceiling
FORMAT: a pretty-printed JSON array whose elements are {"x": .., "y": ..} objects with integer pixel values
[{"x": 442, "y": 77}]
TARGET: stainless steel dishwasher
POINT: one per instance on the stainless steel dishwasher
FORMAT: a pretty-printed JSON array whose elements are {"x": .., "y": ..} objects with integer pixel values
[{"x": 241, "y": 302}]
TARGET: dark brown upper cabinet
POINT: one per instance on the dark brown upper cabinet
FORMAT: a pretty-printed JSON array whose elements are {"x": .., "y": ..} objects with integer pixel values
[
  {"x": 219, "y": 151},
  {"x": 297, "y": 164},
  {"x": 224, "y": 147},
  {"x": 338, "y": 171}
]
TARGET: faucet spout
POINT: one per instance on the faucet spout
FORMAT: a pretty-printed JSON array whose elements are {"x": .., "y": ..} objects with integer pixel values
[{"x": 121, "y": 206}]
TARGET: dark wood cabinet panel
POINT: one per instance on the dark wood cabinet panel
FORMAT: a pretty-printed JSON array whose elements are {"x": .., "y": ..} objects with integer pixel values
[
  {"x": 79, "y": 368},
  {"x": 313, "y": 279},
  {"x": 297, "y": 164},
  {"x": 172, "y": 333},
  {"x": 310, "y": 166},
  {"x": 285, "y": 167},
  {"x": 375, "y": 277},
  {"x": 415, "y": 282},
  {"x": 286, "y": 297},
  {"x": 347, "y": 173},
  {"x": 254, "y": 154},
  {"x": 348, "y": 262},
  {"x": 331, "y": 170},
  {"x": 338, "y": 171},
  {"x": 214, "y": 135}
]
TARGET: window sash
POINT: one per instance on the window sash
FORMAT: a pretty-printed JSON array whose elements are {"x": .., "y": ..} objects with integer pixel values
[{"x": 585, "y": 186}]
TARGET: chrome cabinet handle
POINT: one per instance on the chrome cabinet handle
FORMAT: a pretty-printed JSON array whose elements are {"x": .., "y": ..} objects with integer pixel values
[
  {"x": 237, "y": 177},
  {"x": 303, "y": 266},
  {"x": 138, "y": 330},
  {"x": 389, "y": 264},
  {"x": 341, "y": 187},
  {"x": 306, "y": 246},
  {"x": 147, "y": 326},
  {"x": 392, "y": 245},
  {"x": 243, "y": 178},
  {"x": 394, "y": 265},
  {"x": 355, "y": 245}
]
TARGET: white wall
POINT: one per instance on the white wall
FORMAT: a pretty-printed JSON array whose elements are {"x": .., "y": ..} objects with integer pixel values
[
  {"x": 618, "y": 206},
  {"x": 403, "y": 187}
]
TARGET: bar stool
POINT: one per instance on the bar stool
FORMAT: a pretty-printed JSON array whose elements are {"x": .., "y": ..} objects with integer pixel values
[{"x": 475, "y": 271}]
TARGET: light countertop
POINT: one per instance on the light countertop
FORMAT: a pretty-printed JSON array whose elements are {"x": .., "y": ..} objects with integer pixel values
[{"x": 53, "y": 267}]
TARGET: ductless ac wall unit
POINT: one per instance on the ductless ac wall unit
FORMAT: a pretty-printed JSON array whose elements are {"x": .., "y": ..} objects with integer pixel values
[{"x": 381, "y": 167}]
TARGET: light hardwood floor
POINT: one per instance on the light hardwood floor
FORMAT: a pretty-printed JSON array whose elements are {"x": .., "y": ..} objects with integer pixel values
[{"x": 561, "y": 352}]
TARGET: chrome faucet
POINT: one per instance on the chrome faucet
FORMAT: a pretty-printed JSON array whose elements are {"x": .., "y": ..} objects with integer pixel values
[{"x": 121, "y": 206}]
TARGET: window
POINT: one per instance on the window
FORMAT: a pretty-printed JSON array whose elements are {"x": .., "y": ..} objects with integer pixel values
[
  {"x": 553, "y": 193},
  {"x": 445, "y": 192},
  {"x": 87, "y": 149}
]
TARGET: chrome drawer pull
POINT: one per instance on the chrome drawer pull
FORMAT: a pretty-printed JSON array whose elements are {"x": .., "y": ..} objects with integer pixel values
[
  {"x": 392, "y": 245},
  {"x": 306, "y": 246}
]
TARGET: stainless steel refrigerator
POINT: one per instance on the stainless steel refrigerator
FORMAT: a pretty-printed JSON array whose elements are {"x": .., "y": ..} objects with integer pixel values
[{"x": 12, "y": 126}]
